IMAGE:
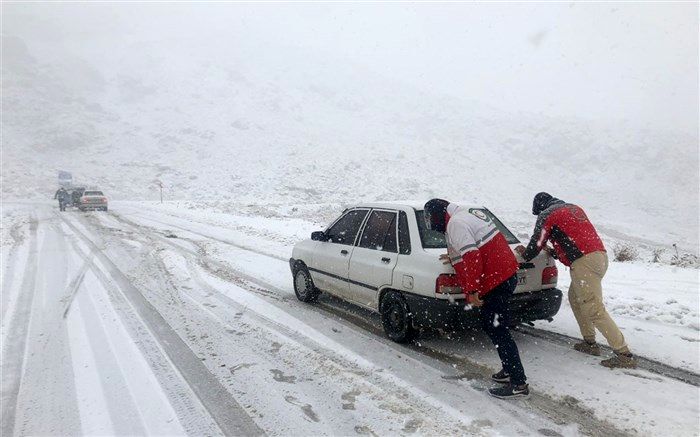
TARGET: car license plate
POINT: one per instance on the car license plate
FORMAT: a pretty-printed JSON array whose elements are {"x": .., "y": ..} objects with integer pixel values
[{"x": 522, "y": 278}]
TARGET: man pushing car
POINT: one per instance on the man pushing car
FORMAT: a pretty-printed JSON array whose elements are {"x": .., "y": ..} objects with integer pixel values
[
  {"x": 486, "y": 270},
  {"x": 577, "y": 245}
]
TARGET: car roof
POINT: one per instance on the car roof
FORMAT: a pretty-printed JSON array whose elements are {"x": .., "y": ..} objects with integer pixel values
[{"x": 400, "y": 204}]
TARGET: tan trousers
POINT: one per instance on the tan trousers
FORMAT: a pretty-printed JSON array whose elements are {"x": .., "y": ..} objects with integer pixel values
[{"x": 586, "y": 300}]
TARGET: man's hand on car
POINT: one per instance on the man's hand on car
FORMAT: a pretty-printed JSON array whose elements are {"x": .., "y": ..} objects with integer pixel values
[
  {"x": 445, "y": 258},
  {"x": 520, "y": 250},
  {"x": 474, "y": 299}
]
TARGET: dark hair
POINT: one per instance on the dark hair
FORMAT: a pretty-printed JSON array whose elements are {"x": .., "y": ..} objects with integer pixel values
[{"x": 434, "y": 213}]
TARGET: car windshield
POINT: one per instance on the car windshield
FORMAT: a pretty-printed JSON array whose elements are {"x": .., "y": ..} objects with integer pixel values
[
  {"x": 436, "y": 240},
  {"x": 93, "y": 193}
]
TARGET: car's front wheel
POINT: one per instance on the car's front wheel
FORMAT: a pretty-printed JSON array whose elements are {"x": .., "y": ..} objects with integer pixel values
[
  {"x": 304, "y": 286},
  {"x": 396, "y": 318}
]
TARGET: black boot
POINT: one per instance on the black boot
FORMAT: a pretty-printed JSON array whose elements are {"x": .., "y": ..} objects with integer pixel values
[{"x": 510, "y": 391}]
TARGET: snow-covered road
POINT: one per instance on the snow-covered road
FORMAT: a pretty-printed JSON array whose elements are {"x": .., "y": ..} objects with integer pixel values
[{"x": 153, "y": 320}]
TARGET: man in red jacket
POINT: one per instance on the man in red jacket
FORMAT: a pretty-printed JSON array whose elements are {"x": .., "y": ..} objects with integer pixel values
[
  {"x": 486, "y": 269},
  {"x": 577, "y": 245}
]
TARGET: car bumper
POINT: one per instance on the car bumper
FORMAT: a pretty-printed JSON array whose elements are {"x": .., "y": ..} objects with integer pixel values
[
  {"x": 535, "y": 305},
  {"x": 524, "y": 307},
  {"x": 91, "y": 206}
]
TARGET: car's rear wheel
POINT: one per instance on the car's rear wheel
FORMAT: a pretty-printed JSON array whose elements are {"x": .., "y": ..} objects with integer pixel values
[
  {"x": 396, "y": 318},
  {"x": 304, "y": 286}
]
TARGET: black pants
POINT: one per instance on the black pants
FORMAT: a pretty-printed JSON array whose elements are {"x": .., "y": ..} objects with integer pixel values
[{"x": 494, "y": 320}]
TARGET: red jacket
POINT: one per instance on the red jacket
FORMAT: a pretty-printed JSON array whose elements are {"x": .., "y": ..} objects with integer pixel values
[
  {"x": 569, "y": 230},
  {"x": 478, "y": 251}
]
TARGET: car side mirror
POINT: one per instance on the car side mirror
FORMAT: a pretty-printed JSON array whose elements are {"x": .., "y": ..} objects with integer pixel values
[{"x": 319, "y": 236}]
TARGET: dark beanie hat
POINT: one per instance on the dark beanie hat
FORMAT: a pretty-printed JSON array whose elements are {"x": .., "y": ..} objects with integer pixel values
[
  {"x": 434, "y": 214},
  {"x": 539, "y": 203}
]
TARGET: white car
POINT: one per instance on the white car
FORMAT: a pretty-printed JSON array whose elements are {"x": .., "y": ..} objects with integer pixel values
[
  {"x": 380, "y": 256},
  {"x": 93, "y": 200}
]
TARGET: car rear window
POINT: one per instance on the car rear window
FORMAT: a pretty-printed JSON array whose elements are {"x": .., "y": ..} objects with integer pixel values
[
  {"x": 510, "y": 238},
  {"x": 93, "y": 193},
  {"x": 436, "y": 240},
  {"x": 429, "y": 239}
]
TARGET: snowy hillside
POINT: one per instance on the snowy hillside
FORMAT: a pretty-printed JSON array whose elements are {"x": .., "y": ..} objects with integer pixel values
[{"x": 305, "y": 127}]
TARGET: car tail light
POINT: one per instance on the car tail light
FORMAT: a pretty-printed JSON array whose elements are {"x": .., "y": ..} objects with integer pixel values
[
  {"x": 447, "y": 284},
  {"x": 549, "y": 275},
  {"x": 103, "y": 200},
  {"x": 84, "y": 200}
]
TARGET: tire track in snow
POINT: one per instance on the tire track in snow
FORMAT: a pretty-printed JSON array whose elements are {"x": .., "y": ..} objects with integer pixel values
[
  {"x": 559, "y": 411},
  {"x": 644, "y": 363},
  {"x": 191, "y": 414},
  {"x": 228, "y": 414},
  {"x": 48, "y": 367},
  {"x": 15, "y": 346},
  {"x": 374, "y": 383},
  {"x": 231, "y": 307},
  {"x": 75, "y": 284},
  {"x": 121, "y": 405},
  {"x": 201, "y": 234},
  {"x": 9, "y": 268},
  {"x": 216, "y": 267},
  {"x": 387, "y": 382}
]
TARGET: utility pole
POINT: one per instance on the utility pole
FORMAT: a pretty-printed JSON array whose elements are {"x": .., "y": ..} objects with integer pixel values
[{"x": 160, "y": 185}]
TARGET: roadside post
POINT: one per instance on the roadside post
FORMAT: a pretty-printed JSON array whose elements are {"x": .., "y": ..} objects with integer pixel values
[{"x": 160, "y": 185}]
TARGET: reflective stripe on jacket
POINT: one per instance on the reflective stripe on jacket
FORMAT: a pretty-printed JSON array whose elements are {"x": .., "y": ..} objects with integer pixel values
[{"x": 478, "y": 251}]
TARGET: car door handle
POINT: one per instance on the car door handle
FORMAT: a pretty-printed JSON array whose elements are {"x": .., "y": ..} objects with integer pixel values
[
  {"x": 386, "y": 260},
  {"x": 343, "y": 252}
]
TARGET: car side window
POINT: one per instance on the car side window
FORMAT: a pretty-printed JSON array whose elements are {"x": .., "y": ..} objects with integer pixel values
[
  {"x": 404, "y": 237},
  {"x": 345, "y": 229},
  {"x": 380, "y": 232}
]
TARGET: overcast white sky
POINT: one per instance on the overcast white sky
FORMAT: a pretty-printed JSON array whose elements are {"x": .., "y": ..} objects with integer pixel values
[{"x": 635, "y": 61}]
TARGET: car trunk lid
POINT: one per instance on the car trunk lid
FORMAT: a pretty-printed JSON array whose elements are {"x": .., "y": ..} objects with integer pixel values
[{"x": 530, "y": 274}]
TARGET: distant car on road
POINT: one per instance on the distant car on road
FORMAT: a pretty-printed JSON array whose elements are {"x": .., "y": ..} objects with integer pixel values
[
  {"x": 93, "y": 200},
  {"x": 380, "y": 256}
]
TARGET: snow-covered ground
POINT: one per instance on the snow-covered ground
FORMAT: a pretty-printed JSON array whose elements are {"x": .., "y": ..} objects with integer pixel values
[
  {"x": 181, "y": 319},
  {"x": 656, "y": 305},
  {"x": 262, "y": 122}
]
